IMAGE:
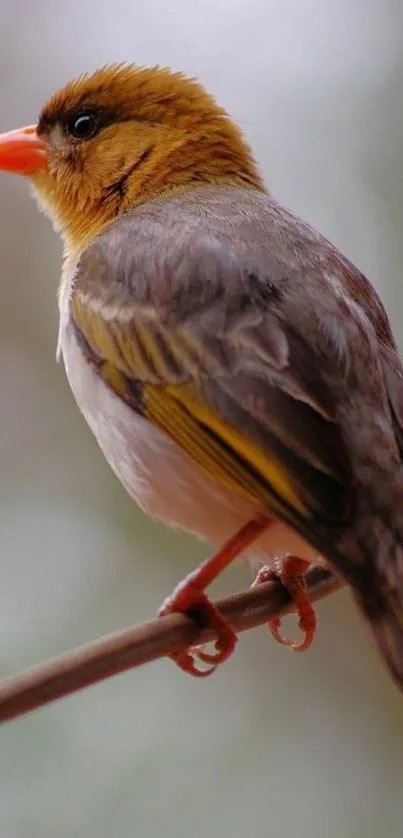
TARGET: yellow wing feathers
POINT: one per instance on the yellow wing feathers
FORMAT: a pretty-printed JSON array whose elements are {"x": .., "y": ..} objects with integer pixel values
[
  {"x": 230, "y": 458},
  {"x": 139, "y": 352}
]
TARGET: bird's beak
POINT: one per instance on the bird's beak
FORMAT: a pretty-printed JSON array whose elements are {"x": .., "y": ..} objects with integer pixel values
[{"x": 22, "y": 151}]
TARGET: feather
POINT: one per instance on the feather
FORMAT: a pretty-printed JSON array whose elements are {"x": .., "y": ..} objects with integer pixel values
[{"x": 222, "y": 365}]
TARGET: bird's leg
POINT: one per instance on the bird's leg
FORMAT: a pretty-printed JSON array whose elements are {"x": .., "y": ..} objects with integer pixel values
[
  {"x": 291, "y": 571},
  {"x": 189, "y": 597}
]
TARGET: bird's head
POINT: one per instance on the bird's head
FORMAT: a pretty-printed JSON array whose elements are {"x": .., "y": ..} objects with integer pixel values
[{"x": 121, "y": 136}]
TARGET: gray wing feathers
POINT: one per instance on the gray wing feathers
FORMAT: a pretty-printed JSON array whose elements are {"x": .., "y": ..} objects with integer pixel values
[{"x": 252, "y": 298}]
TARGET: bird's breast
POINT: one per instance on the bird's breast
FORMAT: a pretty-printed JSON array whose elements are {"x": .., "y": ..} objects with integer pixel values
[{"x": 161, "y": 478}]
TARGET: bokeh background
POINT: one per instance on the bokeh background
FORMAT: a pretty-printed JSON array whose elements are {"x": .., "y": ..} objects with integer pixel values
[{"x": 274, "y": 744}]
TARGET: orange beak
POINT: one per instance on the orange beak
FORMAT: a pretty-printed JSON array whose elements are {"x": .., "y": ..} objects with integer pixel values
[{"x": 22, "y": 151}]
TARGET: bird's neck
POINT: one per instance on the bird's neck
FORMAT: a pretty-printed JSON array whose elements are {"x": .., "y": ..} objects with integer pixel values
[
  {"x": 162, "y": 169},
  {"x": 186, "y": 162}
]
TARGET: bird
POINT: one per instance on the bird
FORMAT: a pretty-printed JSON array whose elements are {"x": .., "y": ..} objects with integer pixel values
[{"x": 239, "y": 373}]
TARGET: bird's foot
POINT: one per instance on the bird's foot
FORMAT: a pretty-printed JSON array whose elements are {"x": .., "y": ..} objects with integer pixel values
[
  {"x": 189, "y": 598},
  {"x": 291, "y": 571},
  {"x": 195, "y": 604}
]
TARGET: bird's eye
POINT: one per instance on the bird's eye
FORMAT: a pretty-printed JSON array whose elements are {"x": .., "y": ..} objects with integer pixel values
[{"x": 83, "y": 127}]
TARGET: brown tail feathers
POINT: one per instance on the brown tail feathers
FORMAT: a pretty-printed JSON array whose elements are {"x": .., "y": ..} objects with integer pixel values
[{"x": 387, "y": 625}]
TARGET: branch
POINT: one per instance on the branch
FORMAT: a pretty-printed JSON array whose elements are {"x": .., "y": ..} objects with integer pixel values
[{"x": 140, "y": 644}]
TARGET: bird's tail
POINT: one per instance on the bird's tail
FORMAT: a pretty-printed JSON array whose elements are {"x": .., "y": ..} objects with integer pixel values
[
  {"x": 387, "y": 626},
  {"x": 374, "y": 569}
]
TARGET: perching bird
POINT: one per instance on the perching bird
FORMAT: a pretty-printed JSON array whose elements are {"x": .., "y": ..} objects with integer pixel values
[{"x": 239, "y": 373}]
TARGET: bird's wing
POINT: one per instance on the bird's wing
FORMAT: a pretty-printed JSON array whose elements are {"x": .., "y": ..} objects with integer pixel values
[
  {"x": 362, "y": 293},
  {"x": 393, "y": 375},
  {"x": 213, "y": 355}
]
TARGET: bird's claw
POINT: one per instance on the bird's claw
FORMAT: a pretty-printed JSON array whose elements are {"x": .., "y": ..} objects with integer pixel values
[
  {"x": 189, "y": 600},
  {"x": 291, "y": 571}
]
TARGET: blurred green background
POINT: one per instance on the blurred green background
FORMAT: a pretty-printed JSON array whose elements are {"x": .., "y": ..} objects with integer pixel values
[{"x": 274, "y": 744}]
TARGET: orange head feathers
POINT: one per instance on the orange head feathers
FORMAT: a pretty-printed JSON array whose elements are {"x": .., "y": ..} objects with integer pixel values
[{"x": 124, "y": 135}]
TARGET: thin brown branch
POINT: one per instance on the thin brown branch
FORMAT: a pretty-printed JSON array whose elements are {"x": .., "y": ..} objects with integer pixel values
[{"x": 155, "y": 639}]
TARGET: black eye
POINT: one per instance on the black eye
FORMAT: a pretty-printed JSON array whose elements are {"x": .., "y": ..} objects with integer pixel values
[{"x": 83, "y": 126}]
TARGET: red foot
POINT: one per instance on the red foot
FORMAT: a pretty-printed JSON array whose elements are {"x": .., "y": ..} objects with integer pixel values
[
  {"x": 194, "y": 603},
  {"x": 292, "y": 571},
  {"x": 190, "y": 598}
]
